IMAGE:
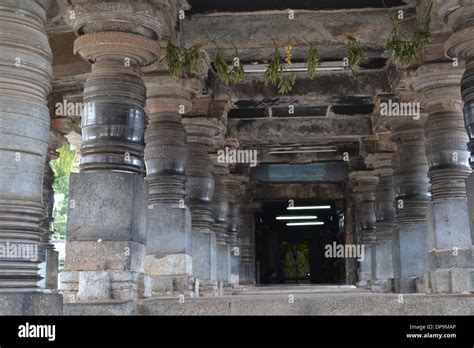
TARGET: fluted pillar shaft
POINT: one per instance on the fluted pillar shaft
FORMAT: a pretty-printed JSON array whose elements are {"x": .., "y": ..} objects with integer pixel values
[
  {"x": 200, "y": 187},
  {"x": 220, "y": 202},
  {"x": 168, "y": 262},
  {"x": 364, "y": 191},
  {"x": 446, "y": 138},
  {"x": 107, "y": 217},
  {"x": 411, "y": 188},
  {"x": 247, "y": 239},
  {"x": 460, "y": 45},
  {"x": 235, "y": 188},
  {"x": 382, "y": 266},
  {"x": 25, "y": 82}
]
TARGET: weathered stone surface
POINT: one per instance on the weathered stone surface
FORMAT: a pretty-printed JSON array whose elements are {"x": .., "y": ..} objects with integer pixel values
[
  {"x": 283, "y": 131},
  {"x": 93, "y": 286},
  {"x": 314, "y": 304},
  {"x": 31, "y": 303},
  {"x": 410, "y": 255},
  {"x": 448, "y": 220},
  {"x": 223, "y": 263},
  {"x": 25, "y": 82},
  {"x": 168, "y": 264},
  {"x": 107, "y": 205},
  {"x": 104, "y": 255},
  {"x": 102, "y": 308}
]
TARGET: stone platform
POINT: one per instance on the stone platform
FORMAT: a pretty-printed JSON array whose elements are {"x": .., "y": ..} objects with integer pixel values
[{"x": 290, "y": 300}]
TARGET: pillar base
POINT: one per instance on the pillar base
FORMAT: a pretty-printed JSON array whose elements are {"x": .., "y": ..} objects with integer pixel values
[
  {"x": 452, "y": 271},
  {"x": 204, "y": 259},
  {"x": 206, "y": 289},
  {"x": 382, "y": 265},
  {"x": 450, "y": 281},
  {"x": 223, "y": 264},
  {"x": 382, "y": 285},
  {"x": 105, "y": 248},
  {"x": 31, "y": 303},
  {"x": 404, "y": 285},
  {"x": 448, "y": 224},
  {"x": 169, "y": 263},
  {"x": 410, "y": 256}
]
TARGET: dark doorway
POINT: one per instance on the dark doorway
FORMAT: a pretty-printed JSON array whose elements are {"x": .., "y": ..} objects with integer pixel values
[{"x": 291, "y": 243}]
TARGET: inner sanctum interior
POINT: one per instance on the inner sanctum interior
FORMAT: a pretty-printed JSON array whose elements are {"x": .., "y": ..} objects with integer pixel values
[{"x": 236, "y": 151}]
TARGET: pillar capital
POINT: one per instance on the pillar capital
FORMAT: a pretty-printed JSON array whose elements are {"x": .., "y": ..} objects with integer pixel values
[
  {"x": 143, "y": 18},
  {"x": 437, "y": 87}
]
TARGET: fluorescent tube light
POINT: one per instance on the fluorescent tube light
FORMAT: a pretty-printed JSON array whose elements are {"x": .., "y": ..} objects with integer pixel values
[
  {"x": 304, "y": 223},
  {"x": 310, "y": 207},
  {"x": 308, "y": 217}
]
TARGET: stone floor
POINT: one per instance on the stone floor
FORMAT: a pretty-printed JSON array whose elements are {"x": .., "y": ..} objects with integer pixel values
[{"x": 291, "y": 300}]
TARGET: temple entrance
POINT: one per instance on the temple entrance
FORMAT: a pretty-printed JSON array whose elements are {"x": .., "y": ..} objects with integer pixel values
[{"x": 292, "y": 243}]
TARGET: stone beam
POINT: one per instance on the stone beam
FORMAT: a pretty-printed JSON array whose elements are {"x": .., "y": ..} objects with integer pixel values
[
  {"x": 327, "y": 87},
  {"x": 305, "y": 130},
  {"x": 252, "y": 32}
]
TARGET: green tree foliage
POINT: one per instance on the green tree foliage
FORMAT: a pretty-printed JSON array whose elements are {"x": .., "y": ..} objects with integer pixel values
[{"x": 62, "y": 169}]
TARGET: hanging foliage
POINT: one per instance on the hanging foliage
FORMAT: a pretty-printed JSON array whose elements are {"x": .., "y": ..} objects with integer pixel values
[
  {"x": 405, "y": 50},
  {"x": 274, "y": 74},
  {"x": 312, "y": 60},
  {"x": 355, "y": 52},
  {"x": 182, "y": 61},
  {"x": 408, "y": 51},
  {"x": 228, "y": 74}
]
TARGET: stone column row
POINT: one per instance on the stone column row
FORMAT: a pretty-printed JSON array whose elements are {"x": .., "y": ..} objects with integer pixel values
[{"x": 447, "y": 214}]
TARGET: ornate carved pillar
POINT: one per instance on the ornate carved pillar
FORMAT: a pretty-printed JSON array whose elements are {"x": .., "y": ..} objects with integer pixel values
[
  {"x": 25, "y": 82},
  {"x": 169, "y": 241},
  {"x": 107, "y": 216},
  {"x": 458, "y": 15},
  {"x": 235, "y": 188},
  {"x": 220, "y": 226},
  {"x": 410, "y": 185},
  {"x": 438, "y": 90},
  {"x": 199, "y": 193},
  {"x": 247, "y": 274},
  {"x": 364, "y": 183},
  {"x": 382, "y": 266}
]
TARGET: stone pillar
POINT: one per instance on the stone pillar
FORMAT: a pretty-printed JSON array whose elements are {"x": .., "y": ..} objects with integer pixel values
[
  {"x": 235, "y": 187},
  {"x": 105, "y": 247},
  {"x": 199, "y": 192},
  {"x": 449, "y": 237},
  {"x": 458, "y": 15},
  {"x": 382, "y": 266},
  {"x": 168, "y": 262},
  {"x": 410, "y": 184},
  {"x": 221, "y": 224},
  {"x": 365, "y": 182},
  {"x": 247, "y": 274},
  {"x": 25, "y": 82}
]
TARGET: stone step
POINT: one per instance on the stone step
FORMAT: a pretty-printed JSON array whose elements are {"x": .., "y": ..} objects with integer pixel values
[
  {"x": 314, "y": 304},
  {"x": 297, "y": 289}
]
